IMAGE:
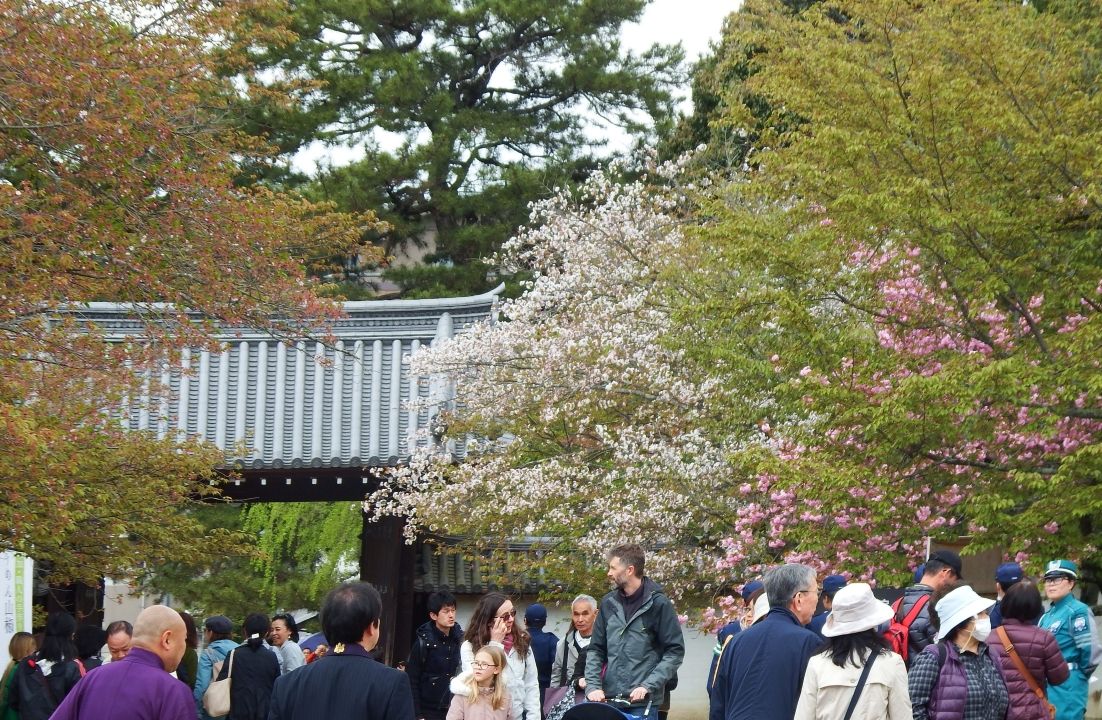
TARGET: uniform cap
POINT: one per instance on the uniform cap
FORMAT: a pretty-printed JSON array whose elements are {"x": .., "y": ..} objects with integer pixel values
[{"x": 1058, "y": 568}]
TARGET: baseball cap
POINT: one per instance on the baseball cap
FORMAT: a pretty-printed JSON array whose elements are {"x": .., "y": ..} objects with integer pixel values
[
  {"x": 832, "y": 584},
  {"x": 750, "y": 588},
  {"x": 1008, "y": 573},
  {"x": 950, "y": 558}
]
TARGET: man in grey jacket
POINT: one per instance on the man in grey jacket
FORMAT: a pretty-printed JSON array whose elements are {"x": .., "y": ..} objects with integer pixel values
[{"x": 637, "y": 635}]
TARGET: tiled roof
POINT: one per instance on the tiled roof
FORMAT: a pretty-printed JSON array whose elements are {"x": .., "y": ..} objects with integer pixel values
[{"x": 270, "y": 404}]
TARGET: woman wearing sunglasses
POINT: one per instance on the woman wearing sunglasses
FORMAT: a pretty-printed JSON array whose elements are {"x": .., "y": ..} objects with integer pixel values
[{"x": 493, "y": 624}]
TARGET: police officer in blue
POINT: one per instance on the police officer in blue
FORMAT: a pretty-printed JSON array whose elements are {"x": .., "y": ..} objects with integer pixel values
[{"x": 1073, "y": 625}]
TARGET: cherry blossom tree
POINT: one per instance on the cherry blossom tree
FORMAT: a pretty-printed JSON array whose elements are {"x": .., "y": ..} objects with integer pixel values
[{"x": 885, "y": 330}]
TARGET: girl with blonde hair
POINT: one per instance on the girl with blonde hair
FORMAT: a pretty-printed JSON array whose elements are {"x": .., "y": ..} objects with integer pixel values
[
  {"x": 480, "y": 694},
  {"x": 22, "y": 644}
]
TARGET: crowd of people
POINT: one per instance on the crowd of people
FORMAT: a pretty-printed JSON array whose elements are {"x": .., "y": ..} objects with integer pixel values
[{"x": 941, "y": 651}]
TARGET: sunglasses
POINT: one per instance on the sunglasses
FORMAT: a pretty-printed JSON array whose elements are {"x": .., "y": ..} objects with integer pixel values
[{"x": 508, "y": 615}]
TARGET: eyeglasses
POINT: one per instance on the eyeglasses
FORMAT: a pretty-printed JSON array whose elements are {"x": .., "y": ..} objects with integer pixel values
[
  {"x": 508, "y": 615},
  {"x": 479, "y": 665},
  {"x": 1054, "y": 580}
]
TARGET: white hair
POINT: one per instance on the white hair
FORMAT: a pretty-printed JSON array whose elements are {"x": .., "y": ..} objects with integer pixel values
[{"x": 585, "y": 598}]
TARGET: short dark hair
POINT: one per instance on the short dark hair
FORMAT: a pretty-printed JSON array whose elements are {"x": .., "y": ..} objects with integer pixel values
[
  {"x": 1022, "y": 602},
  {"x": 348, "y": 610},
  {"x": 630, "y": 554},
  {"x": 120, "y": 626},
  {"x": 440, "y": 600}
]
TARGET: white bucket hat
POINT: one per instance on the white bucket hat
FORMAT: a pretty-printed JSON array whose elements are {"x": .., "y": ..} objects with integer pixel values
[
  {"x": 761, "y": 608},
  {"x": 855, "y": 609},
  {"x": 959, "y": 606}
]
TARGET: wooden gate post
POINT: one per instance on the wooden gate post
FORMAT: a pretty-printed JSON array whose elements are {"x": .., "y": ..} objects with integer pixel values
[{"x": 387, "y": 562}]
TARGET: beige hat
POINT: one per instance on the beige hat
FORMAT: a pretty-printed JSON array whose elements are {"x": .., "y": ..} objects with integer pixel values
[{"x": 855, "y": 609}]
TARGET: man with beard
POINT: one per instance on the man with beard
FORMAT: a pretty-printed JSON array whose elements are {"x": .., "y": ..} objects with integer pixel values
[{"x": 637, "y": 635}]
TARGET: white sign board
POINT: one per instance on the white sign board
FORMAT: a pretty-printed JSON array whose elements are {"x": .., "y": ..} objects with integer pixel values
[{"x": 16, "y": 579}]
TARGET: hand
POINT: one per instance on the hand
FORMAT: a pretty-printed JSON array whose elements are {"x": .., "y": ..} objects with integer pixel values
[
  {"x": 638, "y": 694},
  {"x": 597, "y": 695},
  {"x": 581, "y": 683},
  {"x": 498, "y": 630}
]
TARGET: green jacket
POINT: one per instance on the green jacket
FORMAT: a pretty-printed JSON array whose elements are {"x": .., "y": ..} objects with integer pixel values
[
  {"x": 643, "y": 650},
  {"x": 6, "y": 711}
]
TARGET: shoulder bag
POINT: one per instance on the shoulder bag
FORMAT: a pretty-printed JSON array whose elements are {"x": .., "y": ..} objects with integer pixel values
[
  {"x": 1024, "y": 671},
  {"x": 216, "y": 700},
  {"x": 860, "y": 685}
]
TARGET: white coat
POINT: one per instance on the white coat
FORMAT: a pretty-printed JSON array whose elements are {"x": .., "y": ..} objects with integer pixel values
[{"x": 827, "y": 690}]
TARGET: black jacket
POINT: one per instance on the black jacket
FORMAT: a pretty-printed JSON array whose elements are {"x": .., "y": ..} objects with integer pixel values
[
  {"x": 346, "y": 685},
  {"x": 433, "y": 662},
  {"x": 254, "y": 674},
  {"x": 34, "y": 695}
]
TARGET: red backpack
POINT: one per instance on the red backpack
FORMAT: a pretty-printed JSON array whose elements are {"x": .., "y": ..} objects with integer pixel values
[{"x": 898, "y": 633}]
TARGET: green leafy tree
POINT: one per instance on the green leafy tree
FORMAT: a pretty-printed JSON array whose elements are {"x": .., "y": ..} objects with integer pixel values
[
  {"x": 116, "y": 170},
  {"x": 464, "y": 111},
  {"x": 298, "y": 552},
  {"x": 917, "y": 261}
]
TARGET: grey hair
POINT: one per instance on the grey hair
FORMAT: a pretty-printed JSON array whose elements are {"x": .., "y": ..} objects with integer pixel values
[
  {"x": 784, "y": 581},
  {"x": 585, "y": 598}
]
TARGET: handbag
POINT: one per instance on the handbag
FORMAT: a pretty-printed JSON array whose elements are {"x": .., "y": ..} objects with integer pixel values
[
  {"x": 553, "y": 696},
  {"x": 216, "y": 700},
  {"x": 1024, "y": 671},
  {"x": 860, "y": 685}
]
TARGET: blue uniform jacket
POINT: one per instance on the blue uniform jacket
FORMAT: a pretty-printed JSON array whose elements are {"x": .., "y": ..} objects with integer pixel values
[{"x": 762, "y": 669}]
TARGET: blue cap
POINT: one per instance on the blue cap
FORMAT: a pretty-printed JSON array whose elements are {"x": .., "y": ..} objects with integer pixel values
[
  {"x": 535, "y": 614},
  {"x": 750, "y": 588},
  {"x": 832, "y": 584},
  {"x": 1008, "y": 573},
  {"x": 1058, "y": 568},
  {"x": 919, "y": 572}
]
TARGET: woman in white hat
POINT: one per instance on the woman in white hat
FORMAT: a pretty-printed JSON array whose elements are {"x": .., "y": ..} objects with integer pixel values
[
  {"x": 957, "y": 678},
  {"x": 855, "y": 676}
]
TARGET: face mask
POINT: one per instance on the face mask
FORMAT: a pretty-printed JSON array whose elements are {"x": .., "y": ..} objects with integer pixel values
[{"x": 982, "y": 629}]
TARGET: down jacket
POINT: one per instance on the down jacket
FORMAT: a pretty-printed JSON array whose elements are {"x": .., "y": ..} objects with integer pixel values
[
  {"x": 922, "y": 632},
  {"x": 1041, "y": 656}
]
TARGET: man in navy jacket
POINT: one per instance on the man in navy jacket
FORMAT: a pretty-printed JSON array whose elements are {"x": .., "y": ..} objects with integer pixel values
[
  {"x": 762, "y": 668},
  {"x": 347, "y": 682}
]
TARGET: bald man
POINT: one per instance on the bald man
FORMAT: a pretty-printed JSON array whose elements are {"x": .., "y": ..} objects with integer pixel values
[{"x": 139, "y": 686}]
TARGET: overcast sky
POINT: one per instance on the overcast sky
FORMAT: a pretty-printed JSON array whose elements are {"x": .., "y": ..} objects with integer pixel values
[{"x": 695, "y": 23}]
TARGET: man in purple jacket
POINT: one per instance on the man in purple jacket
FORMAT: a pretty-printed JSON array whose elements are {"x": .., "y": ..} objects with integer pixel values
[{"x": 138, "y": 687}]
